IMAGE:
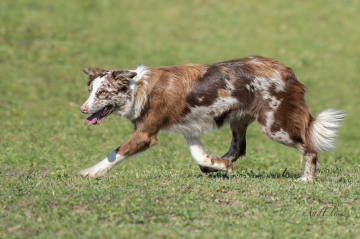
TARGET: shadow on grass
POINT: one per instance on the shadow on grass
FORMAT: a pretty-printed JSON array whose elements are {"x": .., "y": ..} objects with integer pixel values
[
  {"x": 339, "y": 176},
  {"x": 251, "y": 174},
  {"x": 341, "y": 179}
]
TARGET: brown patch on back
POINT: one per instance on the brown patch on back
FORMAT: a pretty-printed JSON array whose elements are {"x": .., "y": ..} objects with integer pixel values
[
  {"x": 204, "y": 92},
  {"x": 228, "y": 74},
  {"x": 264, "y": 67},
  {"x": 223, "y": 93},
  {"x": 232, "y": 78}
]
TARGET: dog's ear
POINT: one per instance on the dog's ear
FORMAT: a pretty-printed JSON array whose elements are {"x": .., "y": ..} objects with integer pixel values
[
  {"x": 121, "y": 78},
  {"x": 94, "y": 73},
  {"x": 118, "y": 74}
]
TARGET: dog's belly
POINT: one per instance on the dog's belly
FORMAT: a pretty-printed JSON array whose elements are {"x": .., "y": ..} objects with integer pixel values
[
  {"x": 193, "y": 125},
  {"x": 204, "y": 119}
]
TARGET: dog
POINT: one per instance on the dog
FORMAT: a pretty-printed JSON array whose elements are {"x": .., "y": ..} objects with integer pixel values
[{"x": 192, "y": 100}]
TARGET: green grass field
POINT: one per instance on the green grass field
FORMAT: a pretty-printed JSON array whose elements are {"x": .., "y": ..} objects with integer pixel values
[{"x": 44, "y": 141}]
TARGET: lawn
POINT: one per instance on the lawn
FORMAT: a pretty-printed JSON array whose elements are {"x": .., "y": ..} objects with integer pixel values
[{"x": 44, "y": 141}]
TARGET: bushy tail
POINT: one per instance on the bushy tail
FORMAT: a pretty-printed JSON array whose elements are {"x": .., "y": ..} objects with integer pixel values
[{"x": 325, "y": 129}]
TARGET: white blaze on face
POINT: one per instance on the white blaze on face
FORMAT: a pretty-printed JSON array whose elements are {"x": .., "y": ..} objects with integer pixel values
[{"x": 95, "y": 86}]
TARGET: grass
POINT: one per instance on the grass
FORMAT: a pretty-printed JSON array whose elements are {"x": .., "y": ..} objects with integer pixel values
[{"x": 161, "y": 193}]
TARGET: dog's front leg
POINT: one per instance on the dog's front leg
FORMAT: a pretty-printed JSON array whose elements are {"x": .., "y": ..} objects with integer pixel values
[{"x": 138, "y": 142}]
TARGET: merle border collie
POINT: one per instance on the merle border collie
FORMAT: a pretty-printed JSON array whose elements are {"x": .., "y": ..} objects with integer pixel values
[{"x": 193, "y": 100}]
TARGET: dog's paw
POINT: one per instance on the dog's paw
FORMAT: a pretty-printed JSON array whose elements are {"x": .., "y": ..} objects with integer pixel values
[
  {"x": 93, "y": 173},
  {"x": 305, "y": 179},
  {"x": 216, "y": 164}
]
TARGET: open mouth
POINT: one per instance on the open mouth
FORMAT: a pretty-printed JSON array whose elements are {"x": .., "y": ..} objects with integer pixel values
[{"x": 99, "y": 116}]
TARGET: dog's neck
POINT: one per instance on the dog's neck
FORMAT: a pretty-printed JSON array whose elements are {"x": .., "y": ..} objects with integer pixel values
[{"x": 138, "y": 86}]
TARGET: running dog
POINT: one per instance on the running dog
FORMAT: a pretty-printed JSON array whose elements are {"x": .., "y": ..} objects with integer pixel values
[{"x": 193, "y": 100}]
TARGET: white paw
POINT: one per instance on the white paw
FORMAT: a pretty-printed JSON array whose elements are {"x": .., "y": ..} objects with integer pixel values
[
  {"x": 305, "y": 179},
  {"x": 93, "y": 172}
]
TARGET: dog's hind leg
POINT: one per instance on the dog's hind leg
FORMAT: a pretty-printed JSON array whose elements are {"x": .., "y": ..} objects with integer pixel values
[
  {"x": 238, "y": 142},
  {"x": 207, "y": 163},
  {"x": 321, "y": 136},
  {"x": 310, "y": 167},
  {"x": 294, "y": 136}
]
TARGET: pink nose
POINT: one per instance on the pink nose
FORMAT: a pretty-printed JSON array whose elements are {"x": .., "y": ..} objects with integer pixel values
[{"x": 84, "y": 109}]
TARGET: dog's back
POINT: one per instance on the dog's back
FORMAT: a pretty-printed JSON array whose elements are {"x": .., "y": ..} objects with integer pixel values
[{"x": 194, "y": 99}]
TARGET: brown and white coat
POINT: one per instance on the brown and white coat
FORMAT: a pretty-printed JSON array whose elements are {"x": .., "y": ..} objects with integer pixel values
[{"x": 192, "y": 100}]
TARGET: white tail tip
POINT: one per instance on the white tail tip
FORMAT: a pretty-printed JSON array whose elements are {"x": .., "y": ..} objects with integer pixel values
[{"x": 325, "y": 129}]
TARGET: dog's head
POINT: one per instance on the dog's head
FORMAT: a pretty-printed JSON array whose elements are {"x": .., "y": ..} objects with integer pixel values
[{"x": 109, "y": 92}]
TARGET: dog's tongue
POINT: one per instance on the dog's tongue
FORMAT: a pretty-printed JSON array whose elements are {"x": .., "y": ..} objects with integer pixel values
[{"x": 93, "y": 119}]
